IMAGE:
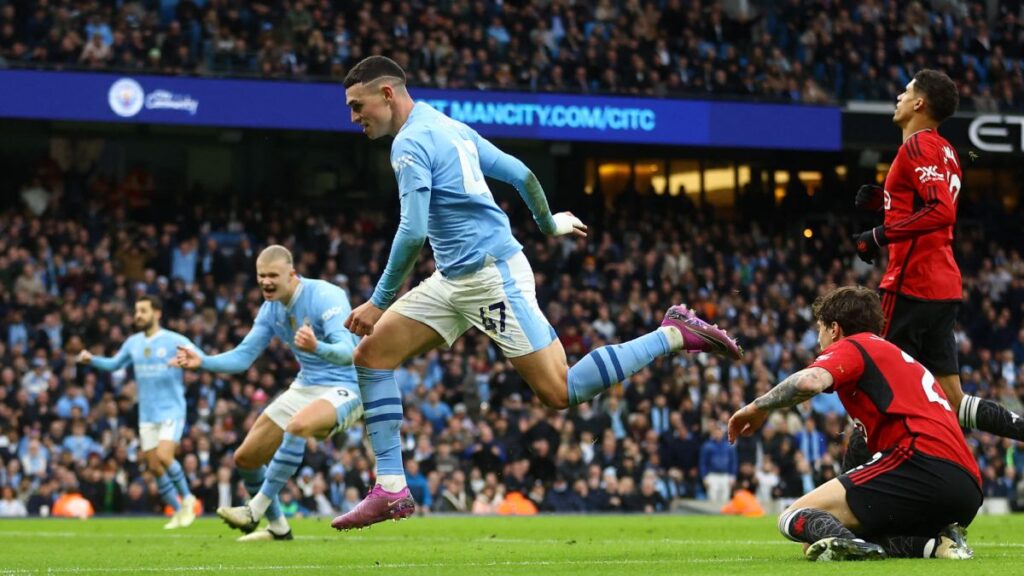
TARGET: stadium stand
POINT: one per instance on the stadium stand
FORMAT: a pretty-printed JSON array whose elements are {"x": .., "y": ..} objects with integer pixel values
[
  {"x": 798, "y": 50},
  {"x": 76, "y": 250}
]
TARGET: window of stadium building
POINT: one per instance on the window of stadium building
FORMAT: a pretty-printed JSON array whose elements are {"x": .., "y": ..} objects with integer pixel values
[
  {"x": 720, "y": 183},
  {"x": 792, "y": 181},
  {"x": 646, "y": 176},
  {"x": 614, "y": 178},
  {"x": 684, "y": 177},
  {"x": 993, "y": 186},
  {"x": 715, "y": 182}
]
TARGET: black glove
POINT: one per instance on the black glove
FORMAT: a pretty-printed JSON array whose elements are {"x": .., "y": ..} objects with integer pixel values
[
  {"x": 869, "y": 243},
  {"x": 870, "y": 197}
]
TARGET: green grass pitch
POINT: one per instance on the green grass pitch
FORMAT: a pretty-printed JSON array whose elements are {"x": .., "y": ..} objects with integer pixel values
[{"x": 464, "y": 546}]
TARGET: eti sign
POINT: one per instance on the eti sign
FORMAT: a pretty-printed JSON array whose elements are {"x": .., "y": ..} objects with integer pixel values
[{"x": 991, "y": 133}]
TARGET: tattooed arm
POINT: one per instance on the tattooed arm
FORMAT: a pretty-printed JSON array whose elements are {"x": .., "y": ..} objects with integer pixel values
[{"x": 798, "y": 388}]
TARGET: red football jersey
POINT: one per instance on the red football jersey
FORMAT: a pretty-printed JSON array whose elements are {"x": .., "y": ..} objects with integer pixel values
[
  {"x": 921, "y": 193},
  {"x": 895, "y": 398}
]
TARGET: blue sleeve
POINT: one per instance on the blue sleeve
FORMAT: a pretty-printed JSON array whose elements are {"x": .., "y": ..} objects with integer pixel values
[
  {"x": 510, "y": 170},
  {"x": 239, "y": 359},
  {"x": 705, "y": 455},
  {"x": 412, "y": 168},
  {"x": 186, "y": 343},
  {"x": 117, "y": 362},
  {"x": 338, "y": 343}
]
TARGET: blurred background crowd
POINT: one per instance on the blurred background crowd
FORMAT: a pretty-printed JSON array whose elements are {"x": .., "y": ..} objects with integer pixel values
[
  {"x": 811, "y": 51},
  {"x": 77, "y": 250}
]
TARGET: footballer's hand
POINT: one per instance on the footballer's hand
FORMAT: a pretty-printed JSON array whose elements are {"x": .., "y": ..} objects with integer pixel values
[
  {"x": 748, "y": 420},
  {"x": 84, "y": 357},
  {"x": 566, "y": 223},
  {"x": 186, "y": 358},
  {"x": 869, "y": 243},
  {"x": 870, "y": 197},
  {"x": 362, "y": 320},
  {"x": 305, "y": 339}
]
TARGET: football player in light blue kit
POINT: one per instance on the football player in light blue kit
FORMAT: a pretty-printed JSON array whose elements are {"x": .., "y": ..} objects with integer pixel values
[
  {"x": 307, "y": 315},
  {"x": 161, "y": 402},
  {"x": 482, "y": 279}
]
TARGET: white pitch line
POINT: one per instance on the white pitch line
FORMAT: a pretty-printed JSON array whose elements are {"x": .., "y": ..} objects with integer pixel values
[
  {"x": 481, "y": 540},
  {"x": 375, "y": 566},
  {"x": 351, "y": 538}
]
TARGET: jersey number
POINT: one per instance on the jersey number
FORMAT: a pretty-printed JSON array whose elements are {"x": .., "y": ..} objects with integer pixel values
[
  {"x": 472, "y": 179},
  {"x": 488, "y": 322},
  {"x": 954, "y": 186},
  {"x": 928, "y": 383}
]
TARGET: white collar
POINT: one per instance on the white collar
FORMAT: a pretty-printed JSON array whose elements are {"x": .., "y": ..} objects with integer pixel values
[{"x": 295, "y": 296}]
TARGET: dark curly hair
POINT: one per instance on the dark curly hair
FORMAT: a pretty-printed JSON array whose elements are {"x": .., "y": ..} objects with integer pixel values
[
  {"x": 939, "y": 92},
  {"x": 855, "y": 308}
]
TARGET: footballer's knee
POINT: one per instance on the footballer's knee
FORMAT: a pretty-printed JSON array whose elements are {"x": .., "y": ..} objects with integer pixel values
[
  {"x": 246, "y": 460},
  {"x": 155, "y": 464},
  {"x": 365, "y": 356},
  {"x": 554, "y": 397},
  {"x": 557, "y": 387},
  {"x": 164, "y": 454},
  {"x": 300, "y": 427}
]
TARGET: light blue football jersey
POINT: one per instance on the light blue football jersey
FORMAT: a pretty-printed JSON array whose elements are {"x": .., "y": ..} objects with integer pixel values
[
  {"x": 324, "y": 307},
  {"x": 161, "y": 387},
  {"x": 433, "y": 154}
]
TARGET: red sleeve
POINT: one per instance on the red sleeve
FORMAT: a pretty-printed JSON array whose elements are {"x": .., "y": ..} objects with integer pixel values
[
  {"x": 844, "y": 362},
  {"x": 935, "y": 182}
]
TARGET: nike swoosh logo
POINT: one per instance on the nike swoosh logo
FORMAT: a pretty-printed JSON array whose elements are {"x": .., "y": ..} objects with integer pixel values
[
  {"x": 714, "y": 342},
  {"x": 390, "y": 503}
]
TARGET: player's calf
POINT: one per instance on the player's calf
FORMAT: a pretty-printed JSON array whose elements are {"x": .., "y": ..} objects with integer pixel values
[{"x": 809, "y": 525}]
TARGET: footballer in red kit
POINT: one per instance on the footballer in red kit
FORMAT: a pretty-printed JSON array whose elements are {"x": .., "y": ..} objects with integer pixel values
[
  {"x": 922, "y": 289},
  {"x": 921, "y": 193},
  {"x": 922, "y": 488},
  {"x": 895, "y": 399}
]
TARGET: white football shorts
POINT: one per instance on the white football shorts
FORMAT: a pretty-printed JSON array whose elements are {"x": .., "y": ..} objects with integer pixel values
[
  {"x": 347, "y": 403},
  {"x": 152, "y": 433},
  {"x": 500, "y": 299}
]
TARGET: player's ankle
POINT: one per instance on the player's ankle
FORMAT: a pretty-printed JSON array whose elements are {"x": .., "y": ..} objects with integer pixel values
[
  {"x": 258, "y": 505},
  {"x": 674, "y": 336},
  {"x": 391, "y": 482}
]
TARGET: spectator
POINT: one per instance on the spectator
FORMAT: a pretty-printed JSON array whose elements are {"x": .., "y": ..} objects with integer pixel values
[
  {"x": 184, "y": 261},
  {"x": 799, "y": 51},
  {"x": 73, "y": 398},
  {"x": 562, "y": 499},
  {"x": 10, "y": 506},
  {"x": 37, "y": 380},
  {"x": 417, "y": 484},
  {"x": 758, "y": 284},
  {"x": 718, "y": 466}
]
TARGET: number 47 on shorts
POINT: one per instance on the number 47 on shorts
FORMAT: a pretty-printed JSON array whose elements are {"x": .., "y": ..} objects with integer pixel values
[{"x": 488, "y": 320}]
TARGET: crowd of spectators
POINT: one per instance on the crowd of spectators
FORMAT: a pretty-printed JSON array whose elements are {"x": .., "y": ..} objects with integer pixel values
[
  {"x": 473, "y": 434},
  {"x": 795, "y": 50}
]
